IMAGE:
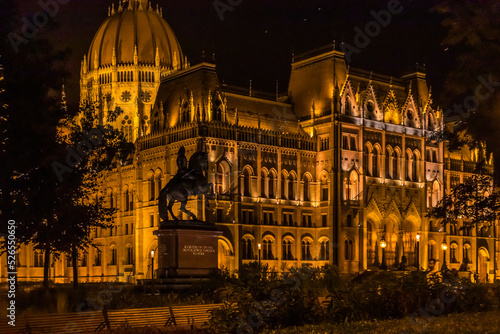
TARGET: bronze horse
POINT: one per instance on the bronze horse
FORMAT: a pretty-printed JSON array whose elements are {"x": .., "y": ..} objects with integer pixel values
[{"x": 188, "y": 182}]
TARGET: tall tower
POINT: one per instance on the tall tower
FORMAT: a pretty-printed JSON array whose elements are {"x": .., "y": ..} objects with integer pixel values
[{"x": 132, "y": 50}]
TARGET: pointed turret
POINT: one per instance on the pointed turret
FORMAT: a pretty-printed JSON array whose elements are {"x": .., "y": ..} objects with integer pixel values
[
  {"x": 157, "y": 57},
  {"x": 113, "y": 58},
  {"x": 136, "y": 57}
]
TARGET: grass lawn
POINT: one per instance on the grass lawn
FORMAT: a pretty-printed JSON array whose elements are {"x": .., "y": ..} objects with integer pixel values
[{"x": 485, "y": 322}]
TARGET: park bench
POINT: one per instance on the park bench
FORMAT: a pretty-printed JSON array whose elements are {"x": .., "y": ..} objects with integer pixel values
[{"x": 191, "y": 316}]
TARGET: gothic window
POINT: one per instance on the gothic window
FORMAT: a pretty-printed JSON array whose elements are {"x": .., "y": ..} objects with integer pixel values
[
  {"x": 267, "y": 249},
  {"x": 217, "y": 110},
  {"x": 84, "y": 260},
  {"x": 247, "y": 249},
  {"x": 263, "y": 177},
  {"x": 431, "y": 251},
  {"x": 283, "y": 186},
  {"x": 365, "y": 160},
  {"x": 287, "y": 250},
  {"x": 352, "y": 186},
  {"x": 348, "y": 250},
  {"x": 375, "y": 163},
  {"x": 306, "y": 190},
  {"x": 246, "y": 182},
  {"x": 218, "y": 179},
  {"x": 152, "y": 186},
  {"x": 324, "y": 250},
  {"x": 97, "y": 258},
  {"x": 408, "y": 166},
  {"x": 467, "y": 252},
  {"x": 130, "y": 255},
  {"x": 347, "y": 105},
  {"x": 271, "y": 185},
  {"x": 158, "y": 176},
  {"x": 291, "y": 181},
  {"x": 38, "y": 258},
  {"x": 127, "y": 200},
  {"x": 453, "y": 253},
  {"x": 306, "y": 250},
  {"x": 112, "y": 261},
  {"x": 414, "y": 168}
]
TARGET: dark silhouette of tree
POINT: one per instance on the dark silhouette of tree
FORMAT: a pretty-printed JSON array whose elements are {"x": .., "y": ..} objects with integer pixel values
[
  {"x": 472, "y": 88},
  {"x": 473, "y": 202}
]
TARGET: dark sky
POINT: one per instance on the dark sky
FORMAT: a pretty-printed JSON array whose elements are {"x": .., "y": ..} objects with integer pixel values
[{"x": 257, "y": 38}]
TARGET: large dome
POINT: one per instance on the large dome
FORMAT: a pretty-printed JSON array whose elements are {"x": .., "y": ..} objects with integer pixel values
[{"x": 134, "y": 23}]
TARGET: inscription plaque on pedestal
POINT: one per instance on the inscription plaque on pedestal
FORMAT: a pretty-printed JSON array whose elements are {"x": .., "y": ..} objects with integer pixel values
[{"x": 187, "y": 249}]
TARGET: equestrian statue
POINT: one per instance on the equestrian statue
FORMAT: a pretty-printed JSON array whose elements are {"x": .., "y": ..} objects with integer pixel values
[{"x": 190, "y": 180}]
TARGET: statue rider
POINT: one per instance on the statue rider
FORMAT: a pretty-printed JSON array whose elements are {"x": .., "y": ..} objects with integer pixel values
[{"x": 181, "y": 162}]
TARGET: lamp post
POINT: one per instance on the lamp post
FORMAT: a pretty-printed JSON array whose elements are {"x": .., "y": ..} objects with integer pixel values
[
  {"x": 418, "y": 251},
  {"x": 259, "y": 254},
  {"x": 152, "y": 264},
  {"x": 444, "y": 247},
  {"x": 383, "y": 244}
]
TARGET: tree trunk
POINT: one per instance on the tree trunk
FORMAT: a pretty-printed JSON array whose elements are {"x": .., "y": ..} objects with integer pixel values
[
  {"x": 46, "y": 267},
  {"x": 74, "y": 255}
]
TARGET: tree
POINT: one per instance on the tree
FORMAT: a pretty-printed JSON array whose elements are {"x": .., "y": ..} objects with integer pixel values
[
  {"x": 55, "y": 209},
  {"x": 85, "y": 208},
  {"x": 473, "y": 202},
  {"x": 472, "y": 88}
]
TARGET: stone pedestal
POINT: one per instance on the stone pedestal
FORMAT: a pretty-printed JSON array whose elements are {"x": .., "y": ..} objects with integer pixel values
[{"x": 186, "y": 249}]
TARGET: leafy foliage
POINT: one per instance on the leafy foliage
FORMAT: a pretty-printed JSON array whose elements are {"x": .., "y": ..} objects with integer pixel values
[{"x": 473, "y": 202}]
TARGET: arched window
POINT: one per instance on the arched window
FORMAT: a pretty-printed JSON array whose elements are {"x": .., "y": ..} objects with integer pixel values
[
  {"x": 127, "y": 199},
  {"x": 347, "y": 105},
  {"x": 267, "y": 249},
  {"x": 130, "y": 255},
  {"x": 365, "y": 160},
  {"x": 348, "y": 250},
  {"x": 97, "y": 258},
  {"x": 287, "y": 250},
  {"x": 283, "y": 185},
  {"x": 324, "y": 189},
  {"x": 408, "y": 166},
  {"x": 453, "y": 253},
  {"x": 352, "y": 186},
  {"x": 435, "y": 193},
  {"x": 158, "y": 176},
  {"x": 388, "y": 161},
  {"x": 113, "y": 256},
  {"x": 291, "y": 184},
  {"x": 218, "y": 179},
  {"x": 246, "y": 182},
  {"x": 271, "y": 185},
  {"x": 467, "y": 253},
  {"x": 38, "y": 258},
  {"x": 414, "y": 168},
  {"x": 324, "y": 250},
  {"x": 306, "y": 190},
  {"x": 152, "y": 186},
  {"x": 375, "y": 169},
  {"x": 110, "y": 198},
  {"x": 432, "y": 250},
  {"x": 306, "y": 250},
  {"x": 263, "y": 181},
  {"x": 247, "y": 248}
]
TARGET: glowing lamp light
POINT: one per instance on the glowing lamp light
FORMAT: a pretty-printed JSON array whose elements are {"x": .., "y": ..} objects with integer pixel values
[
  {"x": 258, "y": 246},
  {"x": 152, "y": 253},
  {"x": 383, "y": 244},
  {"x": 444, "y": 246},
  {"x": 418, "y": 237}
]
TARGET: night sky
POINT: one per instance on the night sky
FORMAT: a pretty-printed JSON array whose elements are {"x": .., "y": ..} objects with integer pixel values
[{"x": 257, "y": 38}]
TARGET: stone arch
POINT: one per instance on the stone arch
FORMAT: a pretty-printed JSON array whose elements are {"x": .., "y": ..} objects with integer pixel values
[
  {"x": 483, "y": 258},
  {"x": 225, "y": 253}
]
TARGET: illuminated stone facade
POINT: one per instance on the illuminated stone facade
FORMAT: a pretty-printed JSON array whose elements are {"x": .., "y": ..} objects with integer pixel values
[{"x": 319, "y": 175}]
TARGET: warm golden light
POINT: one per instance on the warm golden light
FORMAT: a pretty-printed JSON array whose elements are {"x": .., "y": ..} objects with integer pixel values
[
  {"x": 444, "y": 246},
  {"x": 418, "y": 237},
  {"x": 152, "y": 253},
  {"x": 383, "y": 244},
  {"x": 258, "y": 246}
]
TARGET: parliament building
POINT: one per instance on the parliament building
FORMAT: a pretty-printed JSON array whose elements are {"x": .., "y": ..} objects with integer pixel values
[{"x": 342, "y": 169}]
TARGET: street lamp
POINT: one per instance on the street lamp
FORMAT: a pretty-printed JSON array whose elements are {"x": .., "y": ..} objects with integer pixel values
[
  {"x": 383, "y": 244},
  {"x": 152, "y": 264},
  {"x": 259, "y": 253},
  {"x": 418, "y": 251},
  {"x": 444, "y": 247}
]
